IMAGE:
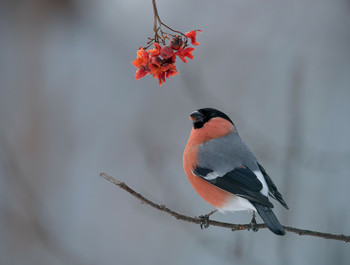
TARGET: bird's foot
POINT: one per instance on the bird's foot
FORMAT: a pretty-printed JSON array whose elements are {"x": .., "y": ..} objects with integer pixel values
[
  {"x": 253, "y": 224},
  {"x": 205, "y": 219}
]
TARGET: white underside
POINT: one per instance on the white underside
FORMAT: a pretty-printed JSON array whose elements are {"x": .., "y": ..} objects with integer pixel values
[{"x": 237, "y": 204}]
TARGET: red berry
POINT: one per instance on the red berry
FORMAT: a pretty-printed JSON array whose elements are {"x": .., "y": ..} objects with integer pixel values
[
  {"x": 156, "y": 60},
  {"x": 166, "y": 52},
  {"x": 176, "y": 42}
]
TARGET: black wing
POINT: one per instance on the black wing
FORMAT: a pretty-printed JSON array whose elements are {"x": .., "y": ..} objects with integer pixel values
[
  {"x": 273, "y": 192},
  {"x": 240, "y": 181}
]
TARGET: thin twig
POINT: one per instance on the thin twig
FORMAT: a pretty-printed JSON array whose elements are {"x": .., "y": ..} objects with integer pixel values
[
  {"x": 233, "y": 227},
  {"x": 156, "y": 16},
  {"x": 157, "y": 28}
]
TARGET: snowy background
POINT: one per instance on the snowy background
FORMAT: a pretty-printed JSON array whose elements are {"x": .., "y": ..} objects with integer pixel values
[{"x": 70, "y": 107}]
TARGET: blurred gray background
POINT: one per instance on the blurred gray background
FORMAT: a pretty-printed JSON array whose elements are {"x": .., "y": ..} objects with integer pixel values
[{"x": 70, "y": 107}]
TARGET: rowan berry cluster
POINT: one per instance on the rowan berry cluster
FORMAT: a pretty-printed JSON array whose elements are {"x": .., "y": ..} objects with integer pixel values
[{"x": 160, "y": 61}]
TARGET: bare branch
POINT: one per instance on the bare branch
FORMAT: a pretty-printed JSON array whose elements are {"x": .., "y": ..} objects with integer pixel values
[{"x": 233, "y": 227}]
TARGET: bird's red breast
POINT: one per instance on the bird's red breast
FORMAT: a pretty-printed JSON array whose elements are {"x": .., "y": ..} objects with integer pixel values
[{"x": 215, "y": 128}]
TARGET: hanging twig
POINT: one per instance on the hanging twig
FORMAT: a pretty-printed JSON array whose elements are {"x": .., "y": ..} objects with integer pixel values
[
  {"x": 233, "y": 227},
  {"x": 159, "y": 34}
]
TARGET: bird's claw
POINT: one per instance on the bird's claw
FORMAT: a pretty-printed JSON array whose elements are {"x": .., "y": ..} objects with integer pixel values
[
  {"x": 204, "y": 221},
  {"x": 253, "y": 224}
]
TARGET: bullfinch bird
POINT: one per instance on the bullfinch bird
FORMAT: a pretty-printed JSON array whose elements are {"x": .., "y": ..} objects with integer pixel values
[{"x": 224, "y": 172}]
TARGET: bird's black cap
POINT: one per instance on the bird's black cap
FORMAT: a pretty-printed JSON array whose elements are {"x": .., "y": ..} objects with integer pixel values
[{"x": 201, "y": 116}]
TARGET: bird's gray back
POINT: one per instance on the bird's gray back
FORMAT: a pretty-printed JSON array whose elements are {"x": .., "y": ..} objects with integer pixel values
[{"x": 226, "y": 153}]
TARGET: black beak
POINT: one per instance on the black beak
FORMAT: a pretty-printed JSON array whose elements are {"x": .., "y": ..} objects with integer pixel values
[{"x": 196, "y": 116}]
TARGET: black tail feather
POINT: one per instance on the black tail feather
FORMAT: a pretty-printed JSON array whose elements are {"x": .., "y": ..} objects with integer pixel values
[
  {"x": 273, "y": 192},
  {"x": 270, "y": 219}
]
